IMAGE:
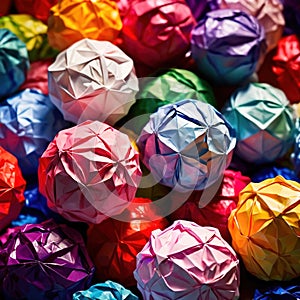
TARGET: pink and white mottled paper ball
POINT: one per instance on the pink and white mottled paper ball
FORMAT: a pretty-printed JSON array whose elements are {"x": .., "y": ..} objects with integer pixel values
[
  {"x": 89, "y": 172},
  {"x": 187, "y": 261}
]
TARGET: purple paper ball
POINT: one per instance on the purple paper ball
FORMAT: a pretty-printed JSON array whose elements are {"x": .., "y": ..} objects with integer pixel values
[
  {"x": 187, "y": 145},
  {"x": 44, "y": 261},
  {"x": 227, "y": 45}
]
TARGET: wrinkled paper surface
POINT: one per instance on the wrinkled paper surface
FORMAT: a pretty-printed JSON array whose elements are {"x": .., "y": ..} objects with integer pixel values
[
  {"x": 93, "y": 80},
  {"x": 187, "y": 145},
  {"x": 187, "y": 261},
  {"x": 89, "y": 172},
  {"x": 265, "y": 228}
]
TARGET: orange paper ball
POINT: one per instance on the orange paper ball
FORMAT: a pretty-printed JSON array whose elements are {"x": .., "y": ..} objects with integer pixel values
[
  {"x": 12, "y": 186},
  {"x": 73, "y": 20},
  {"x": 265, "y": 228}
]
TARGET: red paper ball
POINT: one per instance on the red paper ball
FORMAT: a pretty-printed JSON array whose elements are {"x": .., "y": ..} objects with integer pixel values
[
  {"x": 114, "y": 244},
  {"x": 12, "y": 186},
  {"x": 37, "y": 76},
  {"x": 157, "y": 33},
  {"x": 286, "y": 66},
  {"x": 215, "y": 213},
  {"x": 39, "y": 9}
]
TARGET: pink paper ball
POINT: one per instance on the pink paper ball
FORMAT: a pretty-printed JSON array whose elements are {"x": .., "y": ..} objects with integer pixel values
[
  {"x": 157, "y": 33},
  {"x": 187, "y": 261},
  {"x": 89, "y": 172}
]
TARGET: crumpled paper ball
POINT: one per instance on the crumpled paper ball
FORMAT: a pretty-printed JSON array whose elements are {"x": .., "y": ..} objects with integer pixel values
[
  {"x": 187, "y": 145},
  {"x": 108, "y": 290},
  {"x": 269, "y": 14},
  {"x": 29, "y": 122},
  {"x": 286, "y": 67},
  {"x": 93, "y": 80},
  {"x": 187, "y": 261},
  {"x": 157, "y": 33},
  {"x": 14, "y": 62},
  {"x": 89, "y": 172},
  {"x": 263, "y": 120},
  {"x": 165, "y": 87},
  {"x": 73, "y": 20},
  {"x": 32, "y": 32},
  {"x": 114, "y": 244},
  {"x": 37, "y": 76},
  {"x": 291, "y": 11},
  {"x": 278, "y": 292},
  {"x": 227, "y": 45},
  {"x": 265, "y": 228},
  {"x": 44, "y": 261},
  {"x": 273, "y": 171},
  {"x": 38, "y": 9},
  {"x": 220, "y": 203},
  {"x": 12, "y": 187}
]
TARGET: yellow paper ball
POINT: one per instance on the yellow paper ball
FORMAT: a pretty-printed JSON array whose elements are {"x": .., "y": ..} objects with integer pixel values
[
  {"x": 73, "y": 20},
  {"x": 265, "y": 228}
]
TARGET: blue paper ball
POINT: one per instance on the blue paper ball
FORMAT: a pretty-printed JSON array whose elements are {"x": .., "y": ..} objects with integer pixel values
[
  {"x": 108, "y": 290},
  {"x": 28, "y": 123},
  {"x": 264, "y": 122},
  {"x": 14, "y": 63},
  {"x": 187, "y": 145},
  {"x": 227, "y": 45}
]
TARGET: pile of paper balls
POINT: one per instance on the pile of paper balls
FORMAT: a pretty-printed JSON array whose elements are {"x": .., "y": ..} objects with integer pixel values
[{"x": 149, "y": 149}]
